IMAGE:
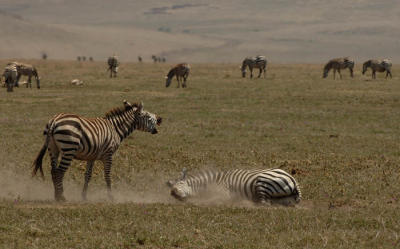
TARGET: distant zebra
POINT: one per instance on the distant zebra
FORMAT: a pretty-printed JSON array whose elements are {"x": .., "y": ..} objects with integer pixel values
[
  {"x": 259, "y": 62},
  {"x": 180, "y": 71},
  {"x": 27, "y": 70},
  {"x": 378, "y": 66},
  {"x": 257, "y": 185},
  {"x": 10, "y": 75},
  {"x": 89, "y": 139},
  {"x": 113, "y": 65},
  {"x": 337, "y": 64}
]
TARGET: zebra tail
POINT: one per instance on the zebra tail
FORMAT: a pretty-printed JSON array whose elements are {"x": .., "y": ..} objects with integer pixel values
[{"x": 37, "y": 164}]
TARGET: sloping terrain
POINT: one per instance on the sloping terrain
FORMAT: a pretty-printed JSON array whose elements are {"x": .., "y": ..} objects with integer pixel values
[{"x": 202, "y": 31}]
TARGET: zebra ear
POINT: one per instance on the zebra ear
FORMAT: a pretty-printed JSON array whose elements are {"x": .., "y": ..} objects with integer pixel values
[
  {"x": 170, "y": 183},
  {"x": 184, "y": 172},
  {"x": 127, "y": 104}
]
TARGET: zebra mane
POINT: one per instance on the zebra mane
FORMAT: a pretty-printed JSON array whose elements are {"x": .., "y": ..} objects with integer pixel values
[{"x": 117, "y": 111}]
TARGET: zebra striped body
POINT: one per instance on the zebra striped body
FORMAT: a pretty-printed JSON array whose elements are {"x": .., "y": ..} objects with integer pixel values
[
  {"x": 337, "y": 64},
  {"x": 113, "y": 64},
  {"x": 10, "y": 76},
  {"x": 257, "y": 185},
  {"x": 27, "y": 70},
  {"x": 378, "y": 66},
  {"x": 180, "y": 71},
  {"x": 259, "y": 62},
  {"x": 89, "y": 139}
]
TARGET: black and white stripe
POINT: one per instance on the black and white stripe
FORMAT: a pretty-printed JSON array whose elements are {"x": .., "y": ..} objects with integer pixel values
[
  {"x": 10, "y": 75},
  {"x": 89, "y": 139},
  {"x": 113, "y": 64},
  {"x": 259, "y": 62},
  {"x": 258, "y": 185}
]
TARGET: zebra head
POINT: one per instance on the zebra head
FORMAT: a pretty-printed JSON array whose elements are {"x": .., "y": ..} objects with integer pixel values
[
  {"x": 180, "y": 188},
  {"x": 326, "y": 70},
  {"x": 144, "y": 120},
  {"x": 243, "y": 68},
  {"x": 365, "y": 66}
]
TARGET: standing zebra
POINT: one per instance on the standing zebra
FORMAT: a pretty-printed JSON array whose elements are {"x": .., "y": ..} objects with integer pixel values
[
  {"x": 90, "y": 139},
  {"x": 27, "y": 70},
  {"x": 337, "y": 64},
  {"x": 257, "y": 185},
  {"x": 10, "y": 76},
  {"x": 113, "y": 65},
  {"x": 181, "y": 71},
  {"x": 259, "y": 62},
  {"x": 378, "y": 66}
]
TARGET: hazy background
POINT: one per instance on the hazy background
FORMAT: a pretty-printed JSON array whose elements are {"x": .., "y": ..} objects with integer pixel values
[{"x": 201, "y": 31}]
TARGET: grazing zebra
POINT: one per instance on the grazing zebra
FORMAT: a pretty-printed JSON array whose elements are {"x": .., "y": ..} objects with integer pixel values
[
  {"x": 181, "y": 71},
  {"x": 337, "y": 64},
  {"x": 113, "y": 64},
  {"x": 89, "y": 139},
  {"x": 378, "y": 66},
  {"x": 257, "y": 185},
  {"x": 10, "y": 76},
  {"x": 27, "y": 70},
  {"x": 259, "y": 62}
]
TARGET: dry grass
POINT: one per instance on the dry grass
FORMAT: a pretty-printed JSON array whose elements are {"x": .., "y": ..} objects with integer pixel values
[{"x": 339, "y": 137}]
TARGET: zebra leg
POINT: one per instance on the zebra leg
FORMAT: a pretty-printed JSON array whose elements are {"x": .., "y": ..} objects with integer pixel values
[
  {"x": 16, "y": 83},
  {"x": 184, "y": 82},
  {"x": 58, "y": 175},
  {"x": 261, "y": 195},
  {"x": 259, "y": 75},
  {"x": 251, "y": 72},
  {"x": 374, "y": 74},
  {"x": 265, "y": 71},
  {"x": 88, "y": 175},
  {"x": 29, "y": 82},
  {"x": 340, "y": 74},
  {"x": 179, "y": 82},
  {"x": 107, "y": 169}
]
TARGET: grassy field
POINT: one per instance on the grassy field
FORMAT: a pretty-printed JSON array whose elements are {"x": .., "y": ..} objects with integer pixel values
[{"x": 338, "y": 137}]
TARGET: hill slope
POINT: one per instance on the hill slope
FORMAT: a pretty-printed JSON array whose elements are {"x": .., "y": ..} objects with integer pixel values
[{"x": 201, "y": 31}]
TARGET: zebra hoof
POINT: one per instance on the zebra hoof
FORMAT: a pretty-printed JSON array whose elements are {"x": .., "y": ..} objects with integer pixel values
[{"x": 60, "y": 198}]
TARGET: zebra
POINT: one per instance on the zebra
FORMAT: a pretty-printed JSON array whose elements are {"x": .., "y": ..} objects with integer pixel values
[
  {"x": 89, "y": 139},
  {"x": 263, "y": 186},
  {"x": 27, "y": 70},
  {"x": 378, "y": 66},
  {"x": 140, "y": 59},
  {"x": 181, "y": 70},
  {"x": 259, "y": 62},
  {"x": 10, "y": 75},
  {"x": 113, "y": 64},
  {"x": 337, "y": 64}
]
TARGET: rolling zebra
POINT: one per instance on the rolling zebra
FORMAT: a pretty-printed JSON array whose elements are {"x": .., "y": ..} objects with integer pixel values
[
  {"x": 10, "y": 75},
  {"x": 113, "y": 64},
  {"x": 89, "y": 139},
  {"x": 257, "y": 185},
  {"x": 378, "y": 66},
  {"x": 27, "y": 70},
  {"x": 180, "y": 71},
  {"x": 259, "y": 62},
  {"x": 337, "y": 64}
]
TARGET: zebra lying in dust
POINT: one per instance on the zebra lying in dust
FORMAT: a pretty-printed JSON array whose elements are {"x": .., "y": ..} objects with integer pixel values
[
  {"x": 337, "y": 64},
  {"x": 180, "y": 71},
  {"x": 378, "y": 66},
  {"x": 89, "y": 139},
  {"x": 266, "y": 186},
  {"x": 259, "y": 62}
]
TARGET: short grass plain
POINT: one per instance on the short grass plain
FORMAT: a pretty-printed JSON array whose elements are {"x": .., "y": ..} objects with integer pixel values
[{"x": 338, "y": 137}]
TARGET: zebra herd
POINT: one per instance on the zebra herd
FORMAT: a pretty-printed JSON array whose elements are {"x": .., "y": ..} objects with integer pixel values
[{"x": 70, "y": 136}]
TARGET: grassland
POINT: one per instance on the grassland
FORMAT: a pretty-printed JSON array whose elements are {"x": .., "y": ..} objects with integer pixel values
[{"x": 339, "y": 137}]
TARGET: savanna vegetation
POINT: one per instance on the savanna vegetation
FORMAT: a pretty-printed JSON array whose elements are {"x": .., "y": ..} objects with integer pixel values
[{"x": 339, "y": 138}]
